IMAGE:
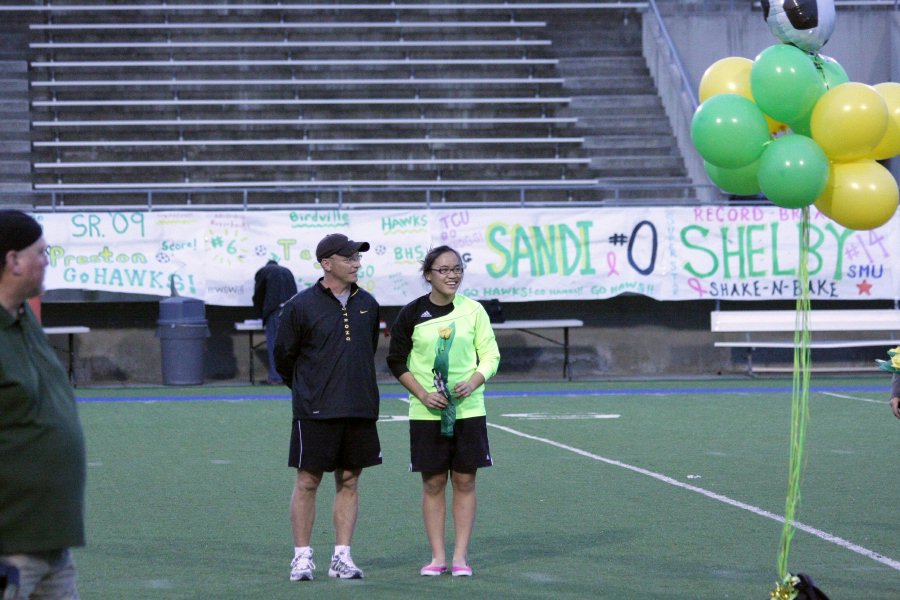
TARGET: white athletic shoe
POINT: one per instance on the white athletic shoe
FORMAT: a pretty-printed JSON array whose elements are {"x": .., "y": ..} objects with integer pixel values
[
  {"x": 302, "y": 567},
  {"x": 342, "y": 567}
]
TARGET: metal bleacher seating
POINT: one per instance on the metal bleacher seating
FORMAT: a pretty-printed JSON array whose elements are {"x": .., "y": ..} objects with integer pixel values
[{"x": 206, "y": 98}]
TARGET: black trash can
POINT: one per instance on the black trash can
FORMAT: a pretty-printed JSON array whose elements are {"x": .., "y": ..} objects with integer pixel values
[{"x": 182, "y": 330}]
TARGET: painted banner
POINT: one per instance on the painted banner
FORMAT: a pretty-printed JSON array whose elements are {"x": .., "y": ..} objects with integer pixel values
[{"x": 514, "y": 255}]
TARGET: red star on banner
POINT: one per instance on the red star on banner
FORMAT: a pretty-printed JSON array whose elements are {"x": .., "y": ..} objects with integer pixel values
[{"x": 864, "y": 288}]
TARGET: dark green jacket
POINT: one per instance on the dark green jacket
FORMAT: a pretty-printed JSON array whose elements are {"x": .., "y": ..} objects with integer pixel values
[{"x": 42, "y": 454}]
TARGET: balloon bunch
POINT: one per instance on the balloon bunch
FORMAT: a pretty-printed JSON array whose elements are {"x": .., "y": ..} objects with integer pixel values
[{"x": 791, "y": 124}]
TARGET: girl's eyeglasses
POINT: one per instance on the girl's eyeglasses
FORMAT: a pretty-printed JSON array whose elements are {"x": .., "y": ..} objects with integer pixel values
[{"x": 444, "y": 271}]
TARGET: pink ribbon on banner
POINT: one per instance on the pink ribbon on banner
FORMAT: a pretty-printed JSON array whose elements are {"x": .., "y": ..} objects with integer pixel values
[
  {"x": 611, "y": 261},
  {"x": 695, "y": 285}
]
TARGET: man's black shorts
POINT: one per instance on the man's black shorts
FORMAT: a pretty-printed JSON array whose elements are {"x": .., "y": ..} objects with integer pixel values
[
  {"x": 326, "y": 445},
  {"x": 466, "y": 451}
]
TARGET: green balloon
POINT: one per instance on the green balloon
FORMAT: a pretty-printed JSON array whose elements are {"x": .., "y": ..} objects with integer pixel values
[
  {"x": 801, "y": 125},
  {"x": 742, "y": 181},
  {"x": 793, "y": 171},
  {"x": 832, "y": 71},
  {"x": 833, "y": 75},
  {"x": 785, "y": 82},
  {"x": 729, "y": 131}
]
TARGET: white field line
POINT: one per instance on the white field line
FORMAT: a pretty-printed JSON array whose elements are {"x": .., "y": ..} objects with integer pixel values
[
  {"x": 823, "y": 535},
  {"x": 564, "y": 417},
  {"x": 844, "y": 397}
]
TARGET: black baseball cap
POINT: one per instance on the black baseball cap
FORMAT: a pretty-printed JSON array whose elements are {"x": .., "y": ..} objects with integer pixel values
[
  {"x": 340, "y": 244},
  {"x": 17, "y": 231}
]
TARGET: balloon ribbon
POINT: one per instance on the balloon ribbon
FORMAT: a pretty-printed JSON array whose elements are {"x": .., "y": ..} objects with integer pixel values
[{"x": 799, "y": 398}]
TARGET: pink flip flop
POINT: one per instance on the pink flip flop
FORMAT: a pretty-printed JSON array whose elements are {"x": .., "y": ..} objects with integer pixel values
[
  {"x": 462, "y": 571},
  {"x": 432, "y": 570}
]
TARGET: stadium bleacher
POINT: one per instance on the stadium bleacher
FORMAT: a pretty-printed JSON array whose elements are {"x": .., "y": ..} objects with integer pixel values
[{"x": 256, "y": 96}]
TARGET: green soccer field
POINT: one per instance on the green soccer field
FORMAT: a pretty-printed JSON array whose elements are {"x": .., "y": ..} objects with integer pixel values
[{"x": 668, "y": 490}]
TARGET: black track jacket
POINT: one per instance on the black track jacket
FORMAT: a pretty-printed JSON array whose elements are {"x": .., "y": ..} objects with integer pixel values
[{"x": 327, "y": 352}]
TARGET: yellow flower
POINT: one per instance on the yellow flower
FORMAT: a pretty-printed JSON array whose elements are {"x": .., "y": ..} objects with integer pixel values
[
  {"x": 782, "y": 593},
  {"x": 894, "y": 351},
  {"x": 895, "y": 361},
  {"x": 785, "y": 590},
  {"x": 445, "y": 332}
]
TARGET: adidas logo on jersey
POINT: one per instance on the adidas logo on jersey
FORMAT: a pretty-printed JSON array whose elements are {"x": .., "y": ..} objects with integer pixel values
[{"x": 425, "y": 315}]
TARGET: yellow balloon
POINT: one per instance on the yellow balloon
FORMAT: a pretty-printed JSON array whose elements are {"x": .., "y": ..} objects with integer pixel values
[
  {"x": 849, "y": 120},
  {"x": 823, "y": 202},
  {"x": 890, "y": 144},
  {"x": 776, "y": 128},
  {"x": 731, "y": 75},
  {"x": 727, "y": 76},
  {"x": 859, "y": 195}
]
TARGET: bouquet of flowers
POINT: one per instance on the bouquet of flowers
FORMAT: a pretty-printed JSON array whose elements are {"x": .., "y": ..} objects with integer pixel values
[
  {"x": 441, "y": 370},
  {"x": 448, "y": 414},
  {"x": 892, "y": 365}
]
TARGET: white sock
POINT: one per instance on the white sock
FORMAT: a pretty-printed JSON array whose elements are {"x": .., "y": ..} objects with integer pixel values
[
  {"x": 302, "y": 551},
  {"x": 341, "y": 550}
]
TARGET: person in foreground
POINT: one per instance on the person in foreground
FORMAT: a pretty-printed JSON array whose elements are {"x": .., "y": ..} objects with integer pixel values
[
  {"x": 42, "y": 452},
  {"x": 273, "y": 285},
  {"x": 443, "y": 350},
  {"x": 895, "y": 395},
  {"x": 325, "y": 348}
]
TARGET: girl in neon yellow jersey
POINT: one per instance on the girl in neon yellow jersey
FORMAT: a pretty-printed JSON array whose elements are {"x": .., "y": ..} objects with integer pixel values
[{"x": 443, "y": 350}]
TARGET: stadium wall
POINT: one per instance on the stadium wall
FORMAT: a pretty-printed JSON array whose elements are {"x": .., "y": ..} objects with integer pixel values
[{"x": 626, "y": 336}]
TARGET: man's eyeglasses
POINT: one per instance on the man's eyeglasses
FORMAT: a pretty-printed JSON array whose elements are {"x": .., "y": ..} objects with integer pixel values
[
  {"x": 444, "y": 271},
  {"x": 348, "y": 260}
]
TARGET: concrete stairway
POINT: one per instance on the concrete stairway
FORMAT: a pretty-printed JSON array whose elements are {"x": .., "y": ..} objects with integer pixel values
[{"x": 620, "y": 115}]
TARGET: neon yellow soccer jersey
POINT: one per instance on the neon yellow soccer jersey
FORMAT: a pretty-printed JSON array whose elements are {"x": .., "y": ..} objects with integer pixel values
[{"x": 464, "y": 332}]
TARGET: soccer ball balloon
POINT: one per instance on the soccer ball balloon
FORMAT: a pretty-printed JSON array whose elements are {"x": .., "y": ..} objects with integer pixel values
[{"x": 806, "y": 24}]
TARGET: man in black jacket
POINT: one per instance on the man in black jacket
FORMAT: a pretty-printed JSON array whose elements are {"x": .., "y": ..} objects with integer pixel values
[
  {"x": 274, "y": 285},
  {"x": 325, "y": 348}
]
